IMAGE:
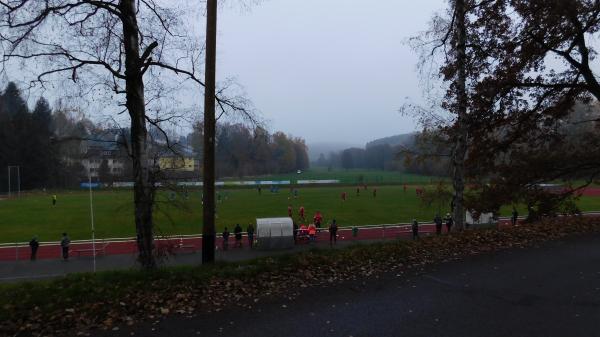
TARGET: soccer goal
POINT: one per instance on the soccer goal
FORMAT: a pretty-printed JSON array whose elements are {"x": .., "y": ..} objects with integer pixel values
[{"x": 14, "y": 180}]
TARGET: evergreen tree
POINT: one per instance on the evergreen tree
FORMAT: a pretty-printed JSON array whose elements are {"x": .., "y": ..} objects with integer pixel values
[
  {"x": 42, "y": 162},
  {"x": 26, "y": 140},
  {"x": 42, "y": 116},
  {"x": 13, "y": 104},
  {"x": 15, "y": 120}
]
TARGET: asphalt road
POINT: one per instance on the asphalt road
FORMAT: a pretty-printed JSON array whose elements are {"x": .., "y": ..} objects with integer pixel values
[
  {"x": 17, "y": 271},
  {"x": 549, "y": 291},
  {"x": 122, "y": 255}
]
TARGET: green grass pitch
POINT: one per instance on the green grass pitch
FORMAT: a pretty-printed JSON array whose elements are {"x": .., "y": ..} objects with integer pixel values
[{"x": 33, "y": 214}]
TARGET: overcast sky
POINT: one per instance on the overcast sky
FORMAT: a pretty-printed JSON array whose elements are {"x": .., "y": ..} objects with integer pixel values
[{"x": 326, "y": 70}]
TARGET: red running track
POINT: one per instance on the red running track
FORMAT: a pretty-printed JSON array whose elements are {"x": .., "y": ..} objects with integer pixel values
[
  {"x": 177, "y": 245},
  {"x": 591, "y": 191}
]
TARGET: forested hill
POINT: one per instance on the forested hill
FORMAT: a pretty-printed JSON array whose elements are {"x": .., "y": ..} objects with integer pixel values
[{"x": 406, "y": 140}]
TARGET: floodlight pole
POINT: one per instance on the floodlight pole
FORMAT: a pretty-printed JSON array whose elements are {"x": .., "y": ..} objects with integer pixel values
[{"x": 92, "y": 219}]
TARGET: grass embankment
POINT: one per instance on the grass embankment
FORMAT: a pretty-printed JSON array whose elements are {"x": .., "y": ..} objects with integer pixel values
[{"x": 103, "y": 300}]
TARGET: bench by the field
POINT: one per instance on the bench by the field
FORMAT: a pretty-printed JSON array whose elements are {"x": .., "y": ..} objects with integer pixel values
[{"x": 100, "y": 250}]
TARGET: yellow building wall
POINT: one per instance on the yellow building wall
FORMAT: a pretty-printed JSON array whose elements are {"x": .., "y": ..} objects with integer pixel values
[{"x": 176, "y": 163}]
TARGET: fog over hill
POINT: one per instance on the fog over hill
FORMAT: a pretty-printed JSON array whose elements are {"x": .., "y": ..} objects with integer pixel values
[
  {"x": 315, "y": 149},
  {"x": 406, "y": 139}
]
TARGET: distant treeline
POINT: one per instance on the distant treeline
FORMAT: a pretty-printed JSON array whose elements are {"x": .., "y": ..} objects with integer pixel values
[
  {"x": 379, "y": 155},
  {"x": 53, "y": 148},
  {"x": 427, "y": 153},
  {"x": 25, "y": 141},
  {"x": 245, "y": 151}
]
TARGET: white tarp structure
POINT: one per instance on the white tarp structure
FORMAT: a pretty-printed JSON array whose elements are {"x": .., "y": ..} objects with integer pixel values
[
  {"x": 483, "y": 219},
  {"x": 326, "y": 181},
  {"x": 274, "y": 233}
]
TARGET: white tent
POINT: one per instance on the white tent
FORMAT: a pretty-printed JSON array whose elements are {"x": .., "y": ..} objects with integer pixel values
[
  {"x": 274, "y": 233},
  {"x": 483, "y": 219}
]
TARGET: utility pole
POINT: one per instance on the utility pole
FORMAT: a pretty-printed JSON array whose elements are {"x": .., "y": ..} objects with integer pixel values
[
  {"x": 208, "y": 207},
  {"x": 461, "y": 135}
]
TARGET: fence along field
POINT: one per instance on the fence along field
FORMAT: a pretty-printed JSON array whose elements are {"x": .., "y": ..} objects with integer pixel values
[
  {"x": 353, "y": 176},
  {"x": 33, "y": 214}
]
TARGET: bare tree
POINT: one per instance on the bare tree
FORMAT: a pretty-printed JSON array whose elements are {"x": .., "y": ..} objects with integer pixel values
[
  {"x": 536, "y": 62},
  {"x": 459, "y": 151},
  {"x": 526, "y": 64},
  {"x": 118, "y": 46},
  {"x": 444, "y": 55}
]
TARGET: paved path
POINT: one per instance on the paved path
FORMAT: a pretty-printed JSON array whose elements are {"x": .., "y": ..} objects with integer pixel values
[
  {"x": 548, "y": 291},
  {"x": 15, "y": 271},
  {"x": 122, "y": 255}
]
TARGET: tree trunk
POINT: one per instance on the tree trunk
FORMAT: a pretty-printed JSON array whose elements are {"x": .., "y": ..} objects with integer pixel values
[
  {"x": 461, "y": 136},
  {"x": 143, "y": 189},
  {"x": 208, "y": 206}
]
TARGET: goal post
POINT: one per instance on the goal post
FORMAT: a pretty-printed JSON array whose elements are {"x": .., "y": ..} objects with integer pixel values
[{"x": 18, "y": 169}]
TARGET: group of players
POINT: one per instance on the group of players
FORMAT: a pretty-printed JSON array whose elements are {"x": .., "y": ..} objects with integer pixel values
[{"x": 309, "y": 232}]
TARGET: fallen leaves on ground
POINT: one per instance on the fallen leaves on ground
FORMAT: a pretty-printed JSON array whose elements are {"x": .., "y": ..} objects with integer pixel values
[{"x": 106, "y": 302}]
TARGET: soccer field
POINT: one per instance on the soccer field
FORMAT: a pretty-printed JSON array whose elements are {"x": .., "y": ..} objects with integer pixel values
[{"x": 34, "y": 214}]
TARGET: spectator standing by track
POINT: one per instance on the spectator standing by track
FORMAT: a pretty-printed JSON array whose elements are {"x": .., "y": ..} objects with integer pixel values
[
  {"x": 515, "y": 217},
  {"x": 449, "y": 222},
  {"x": 333, "y": 229},
  {"x": 415, "y": 229},
  {"x": 237, "y": 231},
  {"x": 65, "y": 243},
  {"x": 225, "y": 236},
  {"x": 438, "y": 224},
  {"x": 34, "y": 244}
]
